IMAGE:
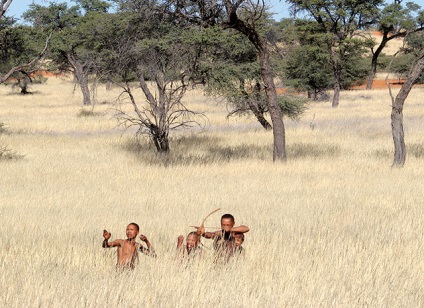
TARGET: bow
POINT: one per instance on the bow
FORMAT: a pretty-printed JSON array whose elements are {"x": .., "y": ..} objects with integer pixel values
[{"x": 202, "y": 226}]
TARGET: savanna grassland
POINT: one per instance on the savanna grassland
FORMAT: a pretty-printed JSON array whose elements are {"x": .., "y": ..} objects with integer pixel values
[{"x": 335, "y": 226}]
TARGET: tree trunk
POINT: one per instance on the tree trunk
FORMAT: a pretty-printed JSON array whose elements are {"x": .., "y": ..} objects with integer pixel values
[
  {"x": 82, "y": 79},
  {"x": 23, "y": 84},
  {"x": 336, "y": 96},
  {"x": 374, "y": 60},
  {"x": 161, "y": 143},
  {"x": 337, "y": 74},
  {"x": 160, "y": 139},
  {"x": 278, "y": 130},
  {"x": 279, "y": 135},
  {"x": 373, "y": 72},
  {"x": 85, "y": 91},
  {"x": 164, "y": 144},
  {"x": 254, "y": 103},
  {"x": 259, "y": 115},
  {"x": 397, "y": 112}
]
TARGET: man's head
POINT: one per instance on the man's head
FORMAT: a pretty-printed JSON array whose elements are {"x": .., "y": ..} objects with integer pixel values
[
  {"x": 132, "y": 230},
  {"x": 192, "y": 240},
  {"x": 238, "y": 239},
  {"x": 227, "y": 222}
]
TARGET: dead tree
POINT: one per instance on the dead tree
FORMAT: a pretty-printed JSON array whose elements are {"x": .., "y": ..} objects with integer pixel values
[{"x": 162, "y": 110}]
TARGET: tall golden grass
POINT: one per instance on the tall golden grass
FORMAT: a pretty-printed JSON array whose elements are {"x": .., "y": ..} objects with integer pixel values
[{"x": 335, "y": 226}]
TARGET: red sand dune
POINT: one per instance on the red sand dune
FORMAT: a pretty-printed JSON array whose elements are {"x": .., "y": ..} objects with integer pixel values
[
  {"x": 377, "y": 84},
  {"x": 46, "y": 74}
]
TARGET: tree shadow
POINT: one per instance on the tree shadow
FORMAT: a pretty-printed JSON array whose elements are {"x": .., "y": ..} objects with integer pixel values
[{"x": 205, "y": 150}]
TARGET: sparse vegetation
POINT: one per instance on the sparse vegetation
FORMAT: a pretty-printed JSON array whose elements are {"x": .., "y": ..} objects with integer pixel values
[
  {"x": 87, "y": 113},
  {"x": 3, "y": 129},
  {"x": 8, "y": 154},
  {"x": 327, "y": 228}
]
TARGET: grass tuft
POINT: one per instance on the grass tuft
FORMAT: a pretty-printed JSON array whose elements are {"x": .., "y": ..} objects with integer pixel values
[
  {"x": 416, "y": 150},
  {"x": 87, "y": 113},
  {"x": 3, "y": 129},
  {"x": 7, "y": 154},
  {"x": 302, "y": 150}
]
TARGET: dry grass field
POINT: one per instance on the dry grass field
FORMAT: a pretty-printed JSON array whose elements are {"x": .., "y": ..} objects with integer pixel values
[{"x": 334, "y": 227}]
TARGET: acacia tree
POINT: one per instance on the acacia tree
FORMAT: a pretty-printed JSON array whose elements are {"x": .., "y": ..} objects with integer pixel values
[
  {"x": 72, "y": 46},
  {"x": 245, "y": 17},
  {"x": 396, "y": 20},
  {"x": 339, "y": 21},
  {"x": 21, "y": 48},
  {"x": 308, "y": 65},
  {"x": 227, "y": 65}
]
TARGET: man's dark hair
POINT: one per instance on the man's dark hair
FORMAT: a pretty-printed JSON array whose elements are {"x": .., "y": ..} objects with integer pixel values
[
  {"x": 228, "y": 216},
  {"x": 135, "y": 225}
]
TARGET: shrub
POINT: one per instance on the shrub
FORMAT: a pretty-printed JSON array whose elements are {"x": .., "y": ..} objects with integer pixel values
[
  {"x": 7, "y": 154},
  {"x": 293, "y": 107}
]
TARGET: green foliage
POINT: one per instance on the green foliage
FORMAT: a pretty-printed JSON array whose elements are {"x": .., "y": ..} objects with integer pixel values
[
  {"x": 293, "y": 107},
  {"x": 401, "y": 64},
  {"x": 397, "y": 16},
  {"x": 341, "y": 17},
  {"x": 355, "y": 66},
  {"x": 308, "y": 68},
  {"x": 56, "y": 16},
  {"x": 75, "y": 29},
  {"x": 224, "y": 58},
  {"x": 415, "y": 43},
  {"x": 18, "y": 45}
]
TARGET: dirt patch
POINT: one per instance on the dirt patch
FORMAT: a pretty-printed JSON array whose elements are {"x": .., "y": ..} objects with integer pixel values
[
  {"x": 45, "y": 73},
  {"x": 381, "y": 84}
]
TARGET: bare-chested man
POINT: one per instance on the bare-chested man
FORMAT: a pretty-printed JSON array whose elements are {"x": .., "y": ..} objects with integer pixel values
[{"x": 128, "y": 249}]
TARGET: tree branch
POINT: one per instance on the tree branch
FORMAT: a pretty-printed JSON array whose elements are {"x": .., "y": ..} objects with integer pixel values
[
  {"x": 4, "y": 5},
  {"x": 22, "y": 67}
]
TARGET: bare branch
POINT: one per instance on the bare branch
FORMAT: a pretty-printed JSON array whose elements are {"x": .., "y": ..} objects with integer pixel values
[
  {"x": 4, "y": 5},
  {"x": 22, "y": 67}
]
